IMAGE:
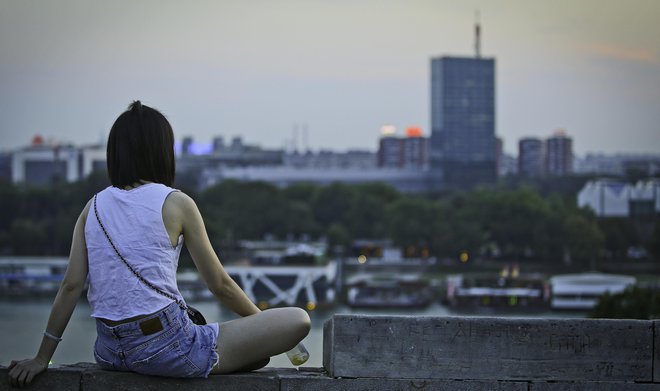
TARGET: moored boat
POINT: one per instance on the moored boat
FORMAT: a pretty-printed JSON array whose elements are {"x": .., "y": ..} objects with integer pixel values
[
  {"x": 388, "y": 291},
  {"x": 581, "y": 291},
  {"x": 506, "y": 290}
]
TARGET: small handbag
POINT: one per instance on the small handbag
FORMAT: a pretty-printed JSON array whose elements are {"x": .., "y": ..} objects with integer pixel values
[{"x": 194, "y": 314}]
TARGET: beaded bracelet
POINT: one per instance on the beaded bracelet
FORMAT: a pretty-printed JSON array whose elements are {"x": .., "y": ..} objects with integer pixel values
[{"x": 51, "y": 336}]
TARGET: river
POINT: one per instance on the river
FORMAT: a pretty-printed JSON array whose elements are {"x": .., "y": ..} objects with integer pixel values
[{"x": 22, "y": 322}]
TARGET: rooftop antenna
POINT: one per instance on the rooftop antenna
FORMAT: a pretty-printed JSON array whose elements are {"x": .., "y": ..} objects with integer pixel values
[
  {"x": 477, "y": 32},
  {"x": 295, "y": 138},
  {"x": 305, "y": 137}
]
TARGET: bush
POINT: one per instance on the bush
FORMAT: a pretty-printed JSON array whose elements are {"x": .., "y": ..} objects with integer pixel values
[{"x": 633, "y": 303}]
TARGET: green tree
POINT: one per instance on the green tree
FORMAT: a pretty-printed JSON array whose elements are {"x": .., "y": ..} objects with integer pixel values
[
  {"x": 549, "y": 234},
  {"x": 332, "y": 203},
  {"x": 654, "y": 242},
  {"x": 9, "y": 205},
  {"x": 455, "y": 232},
  {"x": 382, "y": 192},
  {"x": 413, "y": 221},
  {"x": 584, "y": 240},
  {"x": 513, "y": 220},
  {"x": 39, "y": 220},
  {"x": 633, "y": 303},
  {"x": 301, "y": 192},
  {"x": 299, "y": 219},
  {"x": 618, "y": 234},
  {"x": 246, "y": 210},
  {"x": 28, "y": 237},
  {"x": 366, "y": 217},
  {"x": 338, "y": 235}
]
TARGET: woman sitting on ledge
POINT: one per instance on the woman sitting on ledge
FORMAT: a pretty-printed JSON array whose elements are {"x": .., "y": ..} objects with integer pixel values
[{"x": 126, "y": 243}]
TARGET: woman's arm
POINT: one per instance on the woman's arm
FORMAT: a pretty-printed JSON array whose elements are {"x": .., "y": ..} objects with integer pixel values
[
  {"x": 23, "y": 372},
  {"x": 223, "y": 287}
]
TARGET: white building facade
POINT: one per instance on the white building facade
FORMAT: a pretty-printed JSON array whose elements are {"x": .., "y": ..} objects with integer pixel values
[
  {"x": 609, "y": 198},
  {"x": 46, "y": 164}
]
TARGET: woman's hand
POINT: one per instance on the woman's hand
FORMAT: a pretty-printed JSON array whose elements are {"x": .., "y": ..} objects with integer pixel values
[{"x": 21, "y": 373}]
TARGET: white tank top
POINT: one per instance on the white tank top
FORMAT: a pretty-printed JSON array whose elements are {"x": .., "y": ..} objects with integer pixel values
[{"x": 134, "y": 221}]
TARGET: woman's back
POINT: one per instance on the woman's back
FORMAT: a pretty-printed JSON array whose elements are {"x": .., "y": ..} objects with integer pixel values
[
  {"x": 134, "y": 221},
  {"x": 146, "y": 230}
]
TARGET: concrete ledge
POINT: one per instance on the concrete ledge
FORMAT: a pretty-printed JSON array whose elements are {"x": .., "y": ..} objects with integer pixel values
[
  {"x": 100, "y": 380},
  {"x": 439, "y": 353},
  {"x": 468, "y": 348},
  {"x": 593, "y": 386},
  {"x": 656, "y": 351},
  {"x": 307, "y": 380},
  {"x": 64, "y": 377},
  {"x": 85, "y": 376}
]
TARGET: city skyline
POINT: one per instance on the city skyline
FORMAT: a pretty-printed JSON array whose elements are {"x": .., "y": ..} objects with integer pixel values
[{"x": 256, "y": 68}]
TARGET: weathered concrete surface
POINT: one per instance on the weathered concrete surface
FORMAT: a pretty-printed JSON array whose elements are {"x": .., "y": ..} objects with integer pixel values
[
  {"x": 64, "y": 377},
  {"x": 488, "y": 348},
  {"x": 412, "y": 353},
  {"x": 656, "y": 351},
  {"x": 317, "y": 380},
  {"x": 593, "y": 386},
  {"x": 84, "y": 376},
  {"x": 100, "y": 380}
]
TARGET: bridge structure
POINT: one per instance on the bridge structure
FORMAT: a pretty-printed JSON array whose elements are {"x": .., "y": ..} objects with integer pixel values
[{"x": 276, "y": 286}]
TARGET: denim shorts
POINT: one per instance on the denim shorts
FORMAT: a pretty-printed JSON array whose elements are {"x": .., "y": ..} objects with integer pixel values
[{"x": 180, "y": 349}]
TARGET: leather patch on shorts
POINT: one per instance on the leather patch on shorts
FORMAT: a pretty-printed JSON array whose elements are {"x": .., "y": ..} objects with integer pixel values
[{"x": 151, "y": 326}]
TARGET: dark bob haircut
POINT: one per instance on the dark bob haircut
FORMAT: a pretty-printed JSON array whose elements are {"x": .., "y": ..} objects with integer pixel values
[{"x": 140, "y": 148}]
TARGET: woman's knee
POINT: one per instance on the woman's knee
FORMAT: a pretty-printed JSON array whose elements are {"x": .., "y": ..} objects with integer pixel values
[
  {"x": 298, "y": 322},
  {"x": 303, "y": 322}
]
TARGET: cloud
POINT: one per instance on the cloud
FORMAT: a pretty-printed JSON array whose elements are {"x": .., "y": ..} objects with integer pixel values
[{"x": 623, "y": 53}]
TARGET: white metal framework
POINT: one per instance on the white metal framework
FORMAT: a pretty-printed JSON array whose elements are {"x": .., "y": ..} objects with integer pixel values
[{"x": 279, "y": 293}]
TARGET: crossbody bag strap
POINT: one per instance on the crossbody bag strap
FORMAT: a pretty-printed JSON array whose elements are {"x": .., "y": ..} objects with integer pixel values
[{"x": 135, "y": 273}]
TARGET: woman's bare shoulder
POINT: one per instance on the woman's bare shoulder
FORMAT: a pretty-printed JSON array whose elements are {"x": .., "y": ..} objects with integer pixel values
[
  {"x": 180, "y": 199},
  {"x": 179, "y": 205}
]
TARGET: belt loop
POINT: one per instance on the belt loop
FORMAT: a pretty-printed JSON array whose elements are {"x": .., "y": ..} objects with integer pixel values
[
  {"x": 172, "y": 313},
  {"x": 165, "y": 315}
]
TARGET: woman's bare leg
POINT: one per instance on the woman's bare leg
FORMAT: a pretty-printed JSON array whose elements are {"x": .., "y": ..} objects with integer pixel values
[{"x": 247, "y": 342}]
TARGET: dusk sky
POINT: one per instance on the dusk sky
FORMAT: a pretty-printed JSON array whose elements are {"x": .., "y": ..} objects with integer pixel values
[{"x": 345, "y": 68}]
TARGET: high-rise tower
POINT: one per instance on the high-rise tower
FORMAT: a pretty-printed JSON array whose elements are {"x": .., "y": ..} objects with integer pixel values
[
  {"x": 531, "y": 157},
  {"x": 559, "y": 154},
  {"x": 463, "y": 143}
]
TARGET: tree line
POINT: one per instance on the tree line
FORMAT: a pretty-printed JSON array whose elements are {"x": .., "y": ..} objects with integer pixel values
[
  {"x": 634, "y": 303},
  {"x": 509, "y": 223}
]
